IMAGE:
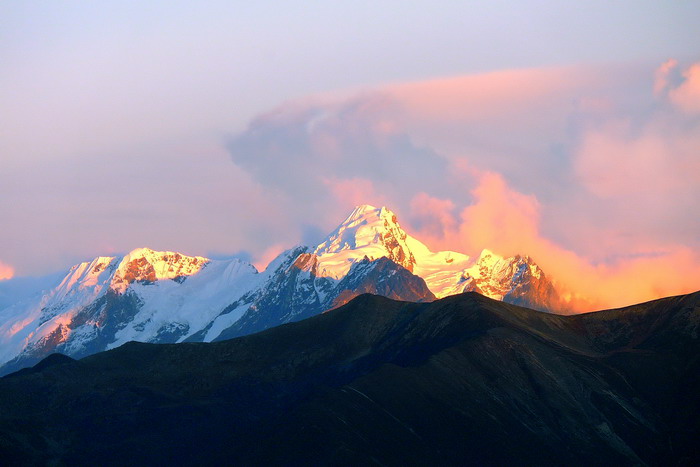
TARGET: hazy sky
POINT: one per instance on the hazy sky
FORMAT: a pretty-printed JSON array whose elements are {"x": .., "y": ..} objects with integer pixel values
[{"x": 564, "y": 130}]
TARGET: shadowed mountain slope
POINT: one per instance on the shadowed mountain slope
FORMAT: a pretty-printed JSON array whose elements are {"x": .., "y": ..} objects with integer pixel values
[{"x": 464, "y": 380}]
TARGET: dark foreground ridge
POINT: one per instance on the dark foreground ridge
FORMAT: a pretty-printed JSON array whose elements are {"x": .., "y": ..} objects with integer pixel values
[{"x": 464, "y": 380}]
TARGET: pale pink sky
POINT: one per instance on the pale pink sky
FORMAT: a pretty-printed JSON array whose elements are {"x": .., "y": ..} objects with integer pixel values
[{"x": 569, "y": 133}]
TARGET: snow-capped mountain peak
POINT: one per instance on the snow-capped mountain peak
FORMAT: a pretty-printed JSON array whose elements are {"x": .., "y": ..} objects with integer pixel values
[
  {"x": 145, "y": 295},
  {"x": 500, "y": 268},
  {"x": 365, "y": 226},
  {"x": 375, "y": 233},
  {"x": 516, "y": 279},
  {"x": 368, "y": 231},
  {"x": 146, "y": 265}
]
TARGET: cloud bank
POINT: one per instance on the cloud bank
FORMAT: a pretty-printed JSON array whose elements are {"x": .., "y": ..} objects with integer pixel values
[{"x": 594, "y": 172}]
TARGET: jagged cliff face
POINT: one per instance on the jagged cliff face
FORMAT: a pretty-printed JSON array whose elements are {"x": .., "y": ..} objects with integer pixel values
[
  {"x": 153, "y": 296},
  {"x": 147, "y": 266},
  {"x": 381, "y": 277},
  {"x": 516, "y": 280}
]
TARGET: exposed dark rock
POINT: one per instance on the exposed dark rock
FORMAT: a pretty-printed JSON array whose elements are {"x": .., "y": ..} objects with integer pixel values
[
  {"x": 381, "y": 277},
  {"x": 296, "y": 292}
]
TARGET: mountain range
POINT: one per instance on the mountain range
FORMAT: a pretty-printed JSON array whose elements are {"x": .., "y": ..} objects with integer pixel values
[
  {"x": 463, "y": 380},
  {"x": 169, "y": 297}
]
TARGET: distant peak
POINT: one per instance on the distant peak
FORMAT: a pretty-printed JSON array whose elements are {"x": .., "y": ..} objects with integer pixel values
[
  {"x": 155, "y": 255},
  {"x": 147, "y": 266}
]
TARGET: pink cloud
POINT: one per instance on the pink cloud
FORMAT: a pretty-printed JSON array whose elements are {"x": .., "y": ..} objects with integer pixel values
[
  {"x": 433, "y": 217},
  {"x": 662, "y": 76},
  {"x": 6, "y": 271},
  {"x": 686, "y": 96},
  {"x": 488, "y": 96},
  {"x": 638, "y": 178},
  {"x": 351, "y": 192},
  {"x": 500, "y": 217},
  {"x": 262, "y": 260},
  {"x": 494, "y": 118},
  {"x": 619, "y": 160}
]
